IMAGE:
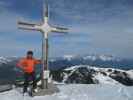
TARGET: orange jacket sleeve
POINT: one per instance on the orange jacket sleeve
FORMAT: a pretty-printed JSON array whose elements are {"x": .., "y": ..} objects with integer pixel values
[
  {"x": 37, "y": 61},
  {"x": 21, "y": 63}
]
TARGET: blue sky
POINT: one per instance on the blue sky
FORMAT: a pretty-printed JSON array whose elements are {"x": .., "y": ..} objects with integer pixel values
[{"x": 96, "y": 27}]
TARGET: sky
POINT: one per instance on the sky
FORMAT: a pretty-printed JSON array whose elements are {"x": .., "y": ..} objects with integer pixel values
[{"x": 95, "y": 27}]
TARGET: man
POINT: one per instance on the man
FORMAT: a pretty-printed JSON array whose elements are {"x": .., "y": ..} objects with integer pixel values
[{"x": 27, "y": 64}]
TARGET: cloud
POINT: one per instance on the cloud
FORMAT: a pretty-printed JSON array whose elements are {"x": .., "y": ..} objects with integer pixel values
[
  {"x": 14, "y": 42},
  {"x": 95, "y": 26},
  {"x": 4, "y": 4}
]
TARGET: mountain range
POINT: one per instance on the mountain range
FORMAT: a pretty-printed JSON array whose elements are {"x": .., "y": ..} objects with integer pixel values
[{"x": 58, "y": 64}]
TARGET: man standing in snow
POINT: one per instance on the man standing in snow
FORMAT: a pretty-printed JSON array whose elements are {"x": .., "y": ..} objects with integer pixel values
[{"x": 27, "y": 64}]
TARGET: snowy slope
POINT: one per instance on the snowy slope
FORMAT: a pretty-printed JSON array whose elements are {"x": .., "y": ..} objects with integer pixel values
[
  {"x": 78, "y": 92},
  {"x": 85, "y": 74},
  {"x": 108, "y": 88}
]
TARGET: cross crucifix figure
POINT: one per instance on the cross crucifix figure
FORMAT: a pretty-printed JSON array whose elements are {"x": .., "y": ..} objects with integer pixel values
[{"x": 45, "y": 28}]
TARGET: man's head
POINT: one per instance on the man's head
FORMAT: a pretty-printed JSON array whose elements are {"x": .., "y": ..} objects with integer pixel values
[{"x": 30, "y": 54}]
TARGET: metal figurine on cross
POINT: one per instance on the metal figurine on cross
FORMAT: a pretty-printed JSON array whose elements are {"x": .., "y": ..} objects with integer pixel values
[{"x": 45, "y": 28}]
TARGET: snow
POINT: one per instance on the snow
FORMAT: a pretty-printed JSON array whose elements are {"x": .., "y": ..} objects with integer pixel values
[
  {"x": 52, "y": 60},
  {"x": 78, "y": 92},
  {"x": 107, "y": 89},
  {"x": 130, "y": 73},
  {"x": 4, "y": 60},
  {"x": 99, "y": 75},
  {"x": 101, "y": 57},
  {"x": 93, "y": 58},
  {"x": 106, "y": 58},
  {"x": 94, "y": 67},
  {"x": 69, "y": 57},
  {"x": 105, "y": 79}
]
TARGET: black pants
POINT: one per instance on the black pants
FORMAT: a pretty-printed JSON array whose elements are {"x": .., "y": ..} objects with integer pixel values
[{"x": 27, "y": 78}]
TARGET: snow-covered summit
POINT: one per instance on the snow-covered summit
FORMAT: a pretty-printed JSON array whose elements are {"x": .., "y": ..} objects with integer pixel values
[{"x": 85, "y": 74}]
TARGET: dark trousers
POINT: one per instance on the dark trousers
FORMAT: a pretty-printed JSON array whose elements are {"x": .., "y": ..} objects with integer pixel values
[{"x": 27, "y": 78}]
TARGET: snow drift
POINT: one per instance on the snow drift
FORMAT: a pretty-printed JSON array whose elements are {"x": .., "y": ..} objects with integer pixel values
[{"x": 78, "y": 92}]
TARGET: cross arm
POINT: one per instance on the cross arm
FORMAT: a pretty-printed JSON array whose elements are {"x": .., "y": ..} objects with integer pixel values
[
  {"x": 59, "y": 30},
  {"x": 27, "y": 26}
]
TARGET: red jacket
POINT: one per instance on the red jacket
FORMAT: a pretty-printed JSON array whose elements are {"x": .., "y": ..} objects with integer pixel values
[{"x": 28, "y": 65}]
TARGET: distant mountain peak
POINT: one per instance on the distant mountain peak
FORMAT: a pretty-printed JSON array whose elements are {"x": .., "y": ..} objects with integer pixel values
[
  {"x": 5, "y": 60},
  {"x": 93, "y": 57},
  {"x": 101, "y": 57},
  {"x": 70, "y": 57}
]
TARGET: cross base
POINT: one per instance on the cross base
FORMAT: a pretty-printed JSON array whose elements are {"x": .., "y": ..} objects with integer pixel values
[{"x": 49, "y": 91}]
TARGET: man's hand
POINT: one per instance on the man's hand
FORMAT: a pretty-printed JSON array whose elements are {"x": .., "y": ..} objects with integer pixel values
[{"x": 38, "y": 61}]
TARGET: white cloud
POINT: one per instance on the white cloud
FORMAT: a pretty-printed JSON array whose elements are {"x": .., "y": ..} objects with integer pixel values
[
  {"x": 94, "y": 28},
  {"x": 12, "y": 40},
  {"x": 4, "y": 4}
]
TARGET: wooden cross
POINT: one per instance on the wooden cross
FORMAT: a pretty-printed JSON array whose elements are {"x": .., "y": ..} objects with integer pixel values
[{"x": 45, "y": 28}]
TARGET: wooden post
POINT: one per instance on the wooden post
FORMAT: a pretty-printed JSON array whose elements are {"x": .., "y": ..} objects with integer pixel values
[{"x": 45, "y": 61}]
